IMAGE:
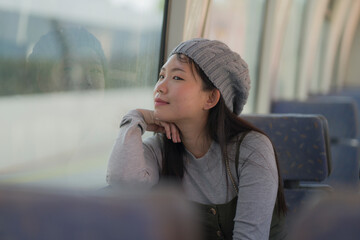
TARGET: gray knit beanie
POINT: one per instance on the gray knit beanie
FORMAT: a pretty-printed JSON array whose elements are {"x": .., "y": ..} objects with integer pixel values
[{"x": 226, "y": 69}]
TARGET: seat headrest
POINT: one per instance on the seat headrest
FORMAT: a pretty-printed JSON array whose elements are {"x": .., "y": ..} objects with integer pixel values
[
  {"x": 301, "y": 144},
  {"x": 340, "y": 112}
]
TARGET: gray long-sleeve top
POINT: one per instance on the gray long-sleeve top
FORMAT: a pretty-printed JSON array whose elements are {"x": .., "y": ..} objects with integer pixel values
[{"x": 134, "y": 161}]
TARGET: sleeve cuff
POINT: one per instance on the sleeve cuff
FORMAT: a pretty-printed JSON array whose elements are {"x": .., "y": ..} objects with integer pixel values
[{"x": 136, "y": 118}]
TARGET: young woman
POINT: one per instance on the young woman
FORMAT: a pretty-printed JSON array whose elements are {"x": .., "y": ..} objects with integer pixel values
[{"x": 223, "y": 164}]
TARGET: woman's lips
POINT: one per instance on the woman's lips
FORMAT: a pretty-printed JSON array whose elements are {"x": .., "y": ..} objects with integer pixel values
[{"x": 160, "y": 102}]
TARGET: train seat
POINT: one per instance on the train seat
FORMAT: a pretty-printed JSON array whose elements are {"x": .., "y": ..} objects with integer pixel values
[
  {"x": 351, "y": 92},
  {"x": 345, "y": 162},
  {"x": 301, "y": 143},
  {"x": 341, "y": 114}
]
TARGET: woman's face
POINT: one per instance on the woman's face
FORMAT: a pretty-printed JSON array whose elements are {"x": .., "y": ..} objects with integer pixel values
[
  {"x": 82, "y": 70},
  {"x": 179, "y": 94}
]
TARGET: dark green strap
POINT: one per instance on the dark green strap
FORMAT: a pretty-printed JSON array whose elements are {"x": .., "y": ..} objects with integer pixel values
[{"x": 241, "y": 138}]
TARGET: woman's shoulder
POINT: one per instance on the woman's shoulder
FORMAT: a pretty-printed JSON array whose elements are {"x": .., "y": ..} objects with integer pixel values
[
  {"x": 253, "y": 138},
  {"x": 257, "y": 153},
  {"x": 256, "y": 136},
  {"x": 256, "y": 145}
]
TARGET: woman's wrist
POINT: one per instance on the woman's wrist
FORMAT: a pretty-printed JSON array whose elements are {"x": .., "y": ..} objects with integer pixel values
[{"x": 147, "y": 115}]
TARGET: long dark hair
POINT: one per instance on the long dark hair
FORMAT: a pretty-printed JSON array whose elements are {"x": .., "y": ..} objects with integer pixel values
[{"x": 222, "y": 126}]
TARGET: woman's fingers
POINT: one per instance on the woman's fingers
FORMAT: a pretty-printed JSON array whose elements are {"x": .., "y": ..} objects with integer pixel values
[
  {"x": 166, "y": 127},
  {"x": 154, "y": 125},
  {"x": 171, "y": 131},
  {"x": 175, "y": 135}
]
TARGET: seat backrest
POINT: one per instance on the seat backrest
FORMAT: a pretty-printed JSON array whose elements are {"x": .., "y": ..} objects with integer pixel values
[
  {"x": 345, "y": 166},
  {"x": 352, "y": 92},
  {"x": 302, "y": 147},
  {"x": 298, "y": 198},
  {"x": 340, "y": 112},
  {"x": 301, "y": 144}
]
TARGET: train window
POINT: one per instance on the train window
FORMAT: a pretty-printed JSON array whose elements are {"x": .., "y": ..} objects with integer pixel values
[
  {"x": 316, "y": 43},
  {"x": 239, "y": 24},
  {"x": 68, "y": 71},
  {"x": 286, "y": 81}
]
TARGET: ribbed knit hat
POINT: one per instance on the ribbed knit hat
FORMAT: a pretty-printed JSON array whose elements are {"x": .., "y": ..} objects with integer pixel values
[{"x": 226, "y": 69}]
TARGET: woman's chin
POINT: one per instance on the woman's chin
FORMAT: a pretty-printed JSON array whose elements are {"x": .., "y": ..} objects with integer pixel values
[
  {"x": 158, "y": 115},
  {"x": 162, "y": 116}
]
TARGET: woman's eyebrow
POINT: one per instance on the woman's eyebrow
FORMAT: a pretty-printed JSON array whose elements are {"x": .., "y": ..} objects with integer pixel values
[{"x": 173, "y": 69}]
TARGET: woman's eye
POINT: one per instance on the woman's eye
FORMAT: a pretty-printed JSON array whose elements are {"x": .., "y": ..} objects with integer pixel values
[
  {"x": 178, "y": 78},
  {"x": 161, "y": 77}
]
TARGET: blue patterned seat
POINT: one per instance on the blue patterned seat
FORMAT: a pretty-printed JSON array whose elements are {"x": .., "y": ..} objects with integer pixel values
[
  {"x": 301, "y": 143},
  {"x": 342, "y": 116},
  {"x": 340, "y": 112},
  {"x": 345, "y": 166},
  {"x": 351, "y": 92}
]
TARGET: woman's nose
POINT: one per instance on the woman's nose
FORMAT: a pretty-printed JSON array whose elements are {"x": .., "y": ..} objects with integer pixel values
[{"x": 161, "y": 86}]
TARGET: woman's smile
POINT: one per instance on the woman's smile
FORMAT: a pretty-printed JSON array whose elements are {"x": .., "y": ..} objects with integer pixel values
[{"x": 160, "y": 102}]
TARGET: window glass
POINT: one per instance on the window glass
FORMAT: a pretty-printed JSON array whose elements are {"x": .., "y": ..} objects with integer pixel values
[
  {"x": 69, "y": 70},
  {"x": 195, "y": 18},
  {"x": 290, "y": 55},
  {"x": 239, "y": 24}
]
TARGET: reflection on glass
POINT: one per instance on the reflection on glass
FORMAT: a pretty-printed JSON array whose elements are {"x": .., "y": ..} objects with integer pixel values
[{"x": 67, "y": 59}]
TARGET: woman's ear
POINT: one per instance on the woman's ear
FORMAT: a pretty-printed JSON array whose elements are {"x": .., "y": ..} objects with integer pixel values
[{"x": 213, "y": 99}]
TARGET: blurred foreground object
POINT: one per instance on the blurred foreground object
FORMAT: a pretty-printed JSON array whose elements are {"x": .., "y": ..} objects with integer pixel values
[
  {"x": 40, "y": 214},
  {"x": 330, "y": 218}
]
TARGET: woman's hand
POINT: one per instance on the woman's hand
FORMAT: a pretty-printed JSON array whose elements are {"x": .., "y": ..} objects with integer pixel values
[{"x": 156, "y": 125}]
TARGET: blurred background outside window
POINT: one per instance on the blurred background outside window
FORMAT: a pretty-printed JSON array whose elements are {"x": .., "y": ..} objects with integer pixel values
[{"x": 69, "y": 70}]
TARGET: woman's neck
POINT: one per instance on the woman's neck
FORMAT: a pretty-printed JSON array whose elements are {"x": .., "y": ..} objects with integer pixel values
[{"x": 196, "y": 139}]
